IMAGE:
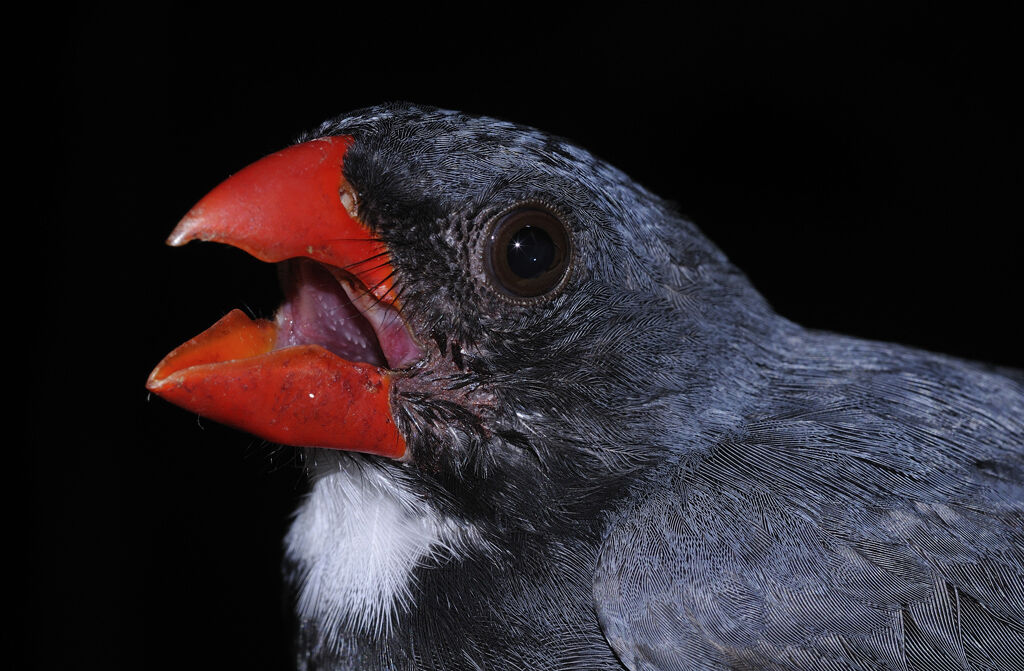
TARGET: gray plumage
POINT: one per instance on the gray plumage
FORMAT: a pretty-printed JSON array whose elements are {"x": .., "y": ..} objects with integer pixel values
[{"x": 649, "y": 468}]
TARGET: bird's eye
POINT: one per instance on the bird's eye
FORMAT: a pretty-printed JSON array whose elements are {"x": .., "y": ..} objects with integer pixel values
[{"x": 528, "y": 252}]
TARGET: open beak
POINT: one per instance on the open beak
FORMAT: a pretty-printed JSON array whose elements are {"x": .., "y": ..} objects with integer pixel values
[{"x": 319, "y": 375}]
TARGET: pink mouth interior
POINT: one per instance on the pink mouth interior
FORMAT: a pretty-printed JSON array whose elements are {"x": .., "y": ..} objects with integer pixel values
[{"x": 318, "y": 311}]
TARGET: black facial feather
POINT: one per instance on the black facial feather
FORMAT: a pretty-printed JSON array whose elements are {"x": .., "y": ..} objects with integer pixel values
[
  {"x": 585, "y": 356},
  {"x": 656, "y": 470}
]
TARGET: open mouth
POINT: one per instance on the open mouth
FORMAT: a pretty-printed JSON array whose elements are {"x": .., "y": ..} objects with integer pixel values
[
  {"x": 320, "y": 373},
  {"x": 328, "y": 307},
  {"x": 325, "y": 309}
]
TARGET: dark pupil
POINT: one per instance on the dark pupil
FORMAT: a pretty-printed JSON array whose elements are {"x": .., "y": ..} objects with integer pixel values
[{"x": 530, "y": 252}]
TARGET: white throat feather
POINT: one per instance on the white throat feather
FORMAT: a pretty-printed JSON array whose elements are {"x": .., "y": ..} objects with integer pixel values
[{"x": 355, "y": 541}]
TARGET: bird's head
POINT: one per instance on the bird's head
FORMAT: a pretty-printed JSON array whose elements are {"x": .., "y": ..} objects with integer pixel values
[{"x": 499, "y": 313}]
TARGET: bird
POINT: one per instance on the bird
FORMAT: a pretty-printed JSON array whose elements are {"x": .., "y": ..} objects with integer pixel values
[{"x": 547, "y": 424}]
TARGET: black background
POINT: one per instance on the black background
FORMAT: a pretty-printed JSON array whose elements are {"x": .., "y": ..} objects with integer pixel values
[{"x": 862, "y": 166}]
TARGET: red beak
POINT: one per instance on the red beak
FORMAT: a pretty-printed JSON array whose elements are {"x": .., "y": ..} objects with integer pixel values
[{"x": 295, "y": 203}]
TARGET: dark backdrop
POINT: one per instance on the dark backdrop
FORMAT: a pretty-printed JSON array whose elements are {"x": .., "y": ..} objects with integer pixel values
[{"x": 862, "y": 166}]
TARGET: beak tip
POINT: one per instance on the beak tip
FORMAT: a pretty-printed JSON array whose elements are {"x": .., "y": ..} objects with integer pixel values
[
  {"x": 181, "y": 233},
  {"x": 189, "y": 228},
  {"x": 154, "y": 382}
]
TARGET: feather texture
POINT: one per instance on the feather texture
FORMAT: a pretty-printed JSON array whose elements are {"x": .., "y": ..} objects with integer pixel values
[
  {"x": 644, "y": 467},
  {"x": 876, "y": 523}
]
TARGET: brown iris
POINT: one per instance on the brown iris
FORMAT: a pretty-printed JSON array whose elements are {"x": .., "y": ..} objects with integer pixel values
[{"x": 528, "y": 252}]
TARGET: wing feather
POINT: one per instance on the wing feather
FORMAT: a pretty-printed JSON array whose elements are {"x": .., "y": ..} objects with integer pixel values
[{"x": 843, "y": 538}]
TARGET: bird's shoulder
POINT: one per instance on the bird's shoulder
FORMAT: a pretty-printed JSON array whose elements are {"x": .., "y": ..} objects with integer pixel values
[{"x": 880, "y": 527}]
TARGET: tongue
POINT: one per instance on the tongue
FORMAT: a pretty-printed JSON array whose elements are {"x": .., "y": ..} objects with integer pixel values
[{"x": 317, "y": 311}]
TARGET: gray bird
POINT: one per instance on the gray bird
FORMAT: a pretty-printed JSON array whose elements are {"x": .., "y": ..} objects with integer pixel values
[{"x": 548, "y": 425}]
